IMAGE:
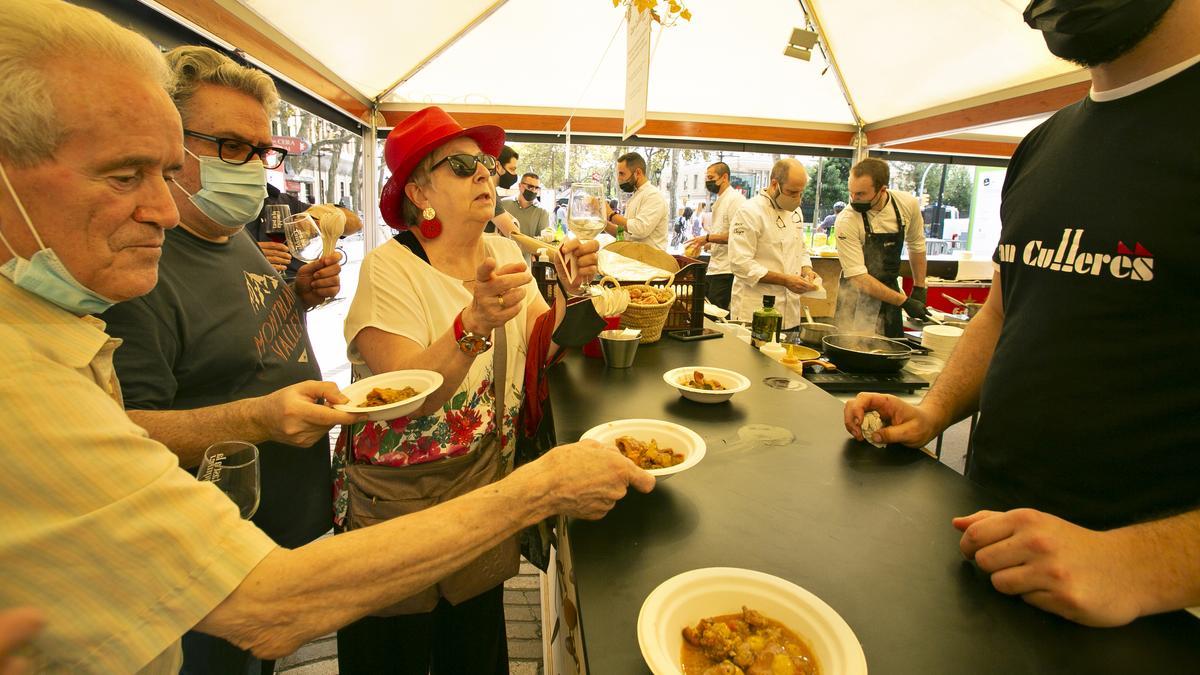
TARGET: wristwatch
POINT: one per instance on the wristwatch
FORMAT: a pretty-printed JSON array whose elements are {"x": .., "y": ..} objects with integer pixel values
[{"x": 469, "y": 343}]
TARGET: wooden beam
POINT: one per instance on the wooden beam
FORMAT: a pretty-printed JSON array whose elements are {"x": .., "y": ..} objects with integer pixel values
[
  {"x": 654, "y": 127},
  {"x": 996, "y": 112},
  {"x": 210, "y": 16},
  {"x": 959, "y": 146}
]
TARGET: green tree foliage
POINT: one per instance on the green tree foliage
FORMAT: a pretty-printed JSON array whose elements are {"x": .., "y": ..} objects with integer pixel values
[{"x": 834, "y": 173}]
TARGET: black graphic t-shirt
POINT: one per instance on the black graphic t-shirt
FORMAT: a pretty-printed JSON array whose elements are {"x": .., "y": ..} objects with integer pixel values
[
  {"x": 221, "y": 326},
  {"x": 1089, "y": 409}
]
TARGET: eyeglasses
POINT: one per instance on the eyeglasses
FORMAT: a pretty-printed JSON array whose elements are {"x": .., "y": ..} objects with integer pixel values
[
  {"x": 233, "y": 151},
  {"x": 464, "y": 164},
  {"x": 535, "y": 188}
]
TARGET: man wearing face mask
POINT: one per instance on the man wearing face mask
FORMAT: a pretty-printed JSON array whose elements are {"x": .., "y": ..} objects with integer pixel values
[
  {"x": 766, "y": 247},
  {"x": 524, "y": 208},
  {"x": 645, "y": 218},
  {"x": 222, "y": 328},
  {"x": 719, "y": 277},
  {"x": 870, "y": 236},
  {"x": 1108, "y": 473}
]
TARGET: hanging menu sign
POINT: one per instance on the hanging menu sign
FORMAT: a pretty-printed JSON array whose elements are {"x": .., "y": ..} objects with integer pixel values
[{"x": 637, "y": 69}]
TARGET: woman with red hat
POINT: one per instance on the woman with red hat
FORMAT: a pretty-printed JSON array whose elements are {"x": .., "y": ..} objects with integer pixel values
[{"x": 444, "y": 296}]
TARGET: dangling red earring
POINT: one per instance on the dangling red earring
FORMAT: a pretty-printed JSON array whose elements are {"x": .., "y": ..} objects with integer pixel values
[{"x": 431, "y": 227}]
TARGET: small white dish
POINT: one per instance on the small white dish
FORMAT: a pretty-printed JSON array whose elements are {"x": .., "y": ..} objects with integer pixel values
[
  {"x": 686, "y": 598},
  {"x": 732, "y": 381},
  {"x": 424, "y": 381},
  {"x": 666, "y": 434}
]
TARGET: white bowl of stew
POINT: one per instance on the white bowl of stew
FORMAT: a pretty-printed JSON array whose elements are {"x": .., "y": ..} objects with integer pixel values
[
  {"x": 416, "y": 385},
  {"x": 683, "y": 379},
  {"x": 685, "y": 599},
  {"x": 666, "y": 435}
]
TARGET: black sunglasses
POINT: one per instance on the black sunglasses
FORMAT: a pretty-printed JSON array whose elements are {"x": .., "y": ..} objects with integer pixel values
[
  {"x": 233, "y": 151},
  {"x": 464, "y": 164}
]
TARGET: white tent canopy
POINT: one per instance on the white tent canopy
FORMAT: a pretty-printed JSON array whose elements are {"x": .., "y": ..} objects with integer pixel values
[{"x": 911, "y": 70}]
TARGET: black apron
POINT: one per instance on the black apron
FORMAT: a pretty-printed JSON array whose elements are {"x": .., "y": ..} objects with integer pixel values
[{"x": 881, "y": 254}]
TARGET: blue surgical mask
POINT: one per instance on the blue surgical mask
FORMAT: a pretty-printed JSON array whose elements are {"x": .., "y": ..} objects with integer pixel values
[
  {"x": 45, "y": 275},
  {"x": 230, "y": 194}
]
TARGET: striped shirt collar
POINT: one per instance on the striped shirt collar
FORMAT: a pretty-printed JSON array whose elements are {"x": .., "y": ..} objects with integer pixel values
[{"x": 71, "y": 340}]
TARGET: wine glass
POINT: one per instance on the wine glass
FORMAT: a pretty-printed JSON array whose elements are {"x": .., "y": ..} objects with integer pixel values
[
  {"x": 233, "y": 467},
  {"x": 585, "y": 213},
  {"x": 276, "y": 215},
  {"x": 303, "y": 237}
]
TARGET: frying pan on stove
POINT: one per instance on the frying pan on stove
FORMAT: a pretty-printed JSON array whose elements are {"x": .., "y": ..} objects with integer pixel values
[{"x": 866, "y": 354}]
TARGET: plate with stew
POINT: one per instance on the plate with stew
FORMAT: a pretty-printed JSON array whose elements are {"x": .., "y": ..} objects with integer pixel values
[
  {"x": 704, "y": 384},
  {"x": 390, "y": 395},
  {"x": 661, "y": 448},
  {"x": 721, "y": 619}
]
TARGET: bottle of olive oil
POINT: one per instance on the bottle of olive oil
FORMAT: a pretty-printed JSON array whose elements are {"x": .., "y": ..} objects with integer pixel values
[{"x": 766, "y": 324}]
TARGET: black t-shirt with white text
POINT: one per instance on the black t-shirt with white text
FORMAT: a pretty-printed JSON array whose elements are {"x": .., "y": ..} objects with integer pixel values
[{"x": 1089, "y": 408}]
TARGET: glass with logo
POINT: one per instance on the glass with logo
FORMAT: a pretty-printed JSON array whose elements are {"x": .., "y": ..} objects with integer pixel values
[
  {"x": 273, "y": 226},
  {"x": 233, "y": 467}
]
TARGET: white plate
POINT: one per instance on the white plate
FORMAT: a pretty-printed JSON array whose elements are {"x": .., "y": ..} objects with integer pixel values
[
  {"x": 424, "y": 381},
  {"x": 668, "y": 435},
  {"x": 732, "y": 381},
  {"x": 684, "y": 599}
]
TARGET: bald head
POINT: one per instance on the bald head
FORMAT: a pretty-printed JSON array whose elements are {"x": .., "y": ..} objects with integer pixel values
[{"x": 788, "y": 180}]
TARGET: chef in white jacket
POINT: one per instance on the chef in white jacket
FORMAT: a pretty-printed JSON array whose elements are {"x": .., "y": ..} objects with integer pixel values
[{"x": 766, "y": 247}]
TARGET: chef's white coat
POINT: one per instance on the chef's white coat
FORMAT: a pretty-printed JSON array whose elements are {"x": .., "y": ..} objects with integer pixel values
[{"x": 765, "y": 239}]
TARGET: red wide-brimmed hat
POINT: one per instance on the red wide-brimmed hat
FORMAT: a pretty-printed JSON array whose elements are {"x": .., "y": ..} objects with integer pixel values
[{"x": 412, "y": 140}]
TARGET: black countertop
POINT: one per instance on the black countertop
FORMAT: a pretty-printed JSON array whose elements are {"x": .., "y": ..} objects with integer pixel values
[{"x": 865, "y": 529}]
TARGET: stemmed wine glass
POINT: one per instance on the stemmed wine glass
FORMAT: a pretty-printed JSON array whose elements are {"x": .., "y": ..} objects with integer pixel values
[
  {"x": 585, "y": 213},
  {"x": 303, "y": 237},
  {"x": 233, "y": 467}
]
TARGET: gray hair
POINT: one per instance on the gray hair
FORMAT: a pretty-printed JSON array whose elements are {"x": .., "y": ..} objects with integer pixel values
[
  {"x": 422, "y": 175},
  {"x": 33, "y": 35},
  {"x": 198, "y": 66}
]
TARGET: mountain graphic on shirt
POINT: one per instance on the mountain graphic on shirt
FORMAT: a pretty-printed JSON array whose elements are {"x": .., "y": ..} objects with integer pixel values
[{"x": 258, "y": 287}]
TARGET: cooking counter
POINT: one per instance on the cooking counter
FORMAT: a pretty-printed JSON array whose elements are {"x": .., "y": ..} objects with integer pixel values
[{"x": 865, "y": 529}]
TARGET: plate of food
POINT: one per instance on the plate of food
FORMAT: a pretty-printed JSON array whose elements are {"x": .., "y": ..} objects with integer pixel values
[
  {"x": 696, "y": 622},
  {"x": 703, "y": 384},
  {"x": 390, "y": 395},
  {"x": 661, "y": 448}
]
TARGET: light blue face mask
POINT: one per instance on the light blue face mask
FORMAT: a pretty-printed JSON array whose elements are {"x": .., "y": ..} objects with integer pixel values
[
  {"x": 230, "y": 194},
  {"x": 45, "y": 275}
]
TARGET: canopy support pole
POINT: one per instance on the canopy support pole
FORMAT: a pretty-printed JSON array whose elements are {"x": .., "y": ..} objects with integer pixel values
[
  {"x": 811, "y": 14},
  {"x": 370, "y": 168}
]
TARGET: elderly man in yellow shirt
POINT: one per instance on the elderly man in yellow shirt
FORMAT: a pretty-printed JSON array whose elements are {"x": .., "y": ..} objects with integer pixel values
[{"x": 121, "y": 549}]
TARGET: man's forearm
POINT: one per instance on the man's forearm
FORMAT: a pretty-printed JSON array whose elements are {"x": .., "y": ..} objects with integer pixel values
[
  {"x": 189, "y": 432},
  {"x": 718, "y": 237},
  {"x": 616, "y": 221},
  {"x": 777, "y": 278},
  {"x": 1165, "y": 554},
  {"x": 919, "y": 264},
  {"x": 875, "y": 288},
  {"x": 955, "y": 394},
  {"x": 293, "y": 596}
]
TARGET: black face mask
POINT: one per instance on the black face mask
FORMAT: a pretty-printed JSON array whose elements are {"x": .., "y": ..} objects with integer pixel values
[
  {"x": 506, "y": 181},
  {"x": 628, "y": 186},
  {"x": 529, "y": 195},
  {"x": 711, "y": 186},
  {"x": 863, "y": 207},
  {"x": 1094, "y": 32}
]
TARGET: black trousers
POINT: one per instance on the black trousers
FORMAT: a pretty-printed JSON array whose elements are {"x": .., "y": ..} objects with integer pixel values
[
  {"x": 464, "y": 638},
  {"x": 720, "y": 288}
]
